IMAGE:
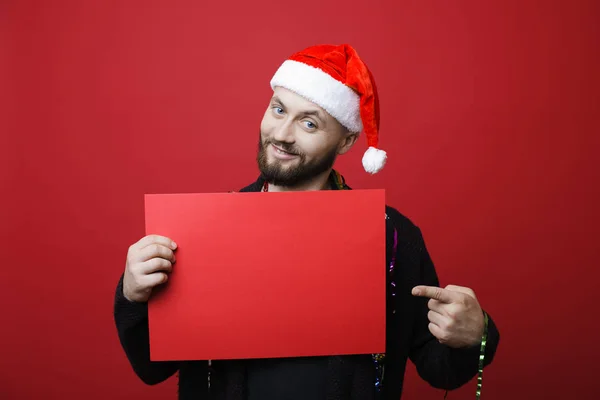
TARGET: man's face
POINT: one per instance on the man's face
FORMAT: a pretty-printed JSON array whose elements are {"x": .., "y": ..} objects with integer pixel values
[{"x": 298, "y": 140}]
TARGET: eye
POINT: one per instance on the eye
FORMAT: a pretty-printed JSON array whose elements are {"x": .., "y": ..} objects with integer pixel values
[
  {"x": 310, "y": 125},
  {"x": 277, "y": 110}
]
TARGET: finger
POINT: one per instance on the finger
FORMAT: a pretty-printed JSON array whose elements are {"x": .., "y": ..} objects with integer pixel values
[
  {"x": 447, "y": 310},
  {"x": 437, "y": 318},
  {"x": 437, "y": 306},
  {"x": 437, "y": 331},
  {"x": 461, "y": 289},
  {"x": 155, "y": 239},
  {"x": 153, "y": 251},
  {"x": 156, "y": 265},
  {"x": 155, "y": 279},
  {"x": 433, "y": 292}
]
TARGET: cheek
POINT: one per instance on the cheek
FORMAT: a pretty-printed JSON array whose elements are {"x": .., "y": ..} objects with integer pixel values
[
  {"x": 267, "y": 125},
  {"x": 314, "y": 146}
]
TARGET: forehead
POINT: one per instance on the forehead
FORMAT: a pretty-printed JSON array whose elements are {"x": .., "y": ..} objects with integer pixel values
[{"x": 295, "y": 101}]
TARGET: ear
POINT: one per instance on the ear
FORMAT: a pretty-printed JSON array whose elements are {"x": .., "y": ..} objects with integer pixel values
[{"x": 347, "y": 142}]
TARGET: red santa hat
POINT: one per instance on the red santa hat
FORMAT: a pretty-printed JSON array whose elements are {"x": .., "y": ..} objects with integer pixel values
[{"x": 337, "y": 80}]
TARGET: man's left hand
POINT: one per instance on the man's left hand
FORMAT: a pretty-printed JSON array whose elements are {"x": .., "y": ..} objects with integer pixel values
[{"x": 455, "y": 316}]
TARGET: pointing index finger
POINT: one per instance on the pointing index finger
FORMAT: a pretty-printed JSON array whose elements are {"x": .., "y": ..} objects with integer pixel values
[{"x": 436, "y": 293}]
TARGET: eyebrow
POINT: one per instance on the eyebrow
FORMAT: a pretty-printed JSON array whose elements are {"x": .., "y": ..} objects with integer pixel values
[{"x": 316, "y": 113}]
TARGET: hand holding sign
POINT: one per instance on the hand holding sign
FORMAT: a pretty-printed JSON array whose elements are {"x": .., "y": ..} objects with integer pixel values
[
  {"x": 455, "y": 316},
  {"x": 148, "y": 263}
]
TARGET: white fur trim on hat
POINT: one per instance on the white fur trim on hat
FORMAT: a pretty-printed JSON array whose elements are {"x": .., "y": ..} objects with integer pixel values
[
  {"x": 374, "y": 160},
  {"x": 317, "y": 86}
]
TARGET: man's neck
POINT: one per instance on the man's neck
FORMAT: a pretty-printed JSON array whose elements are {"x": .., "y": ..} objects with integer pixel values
[{"x": 320, "y": 182}]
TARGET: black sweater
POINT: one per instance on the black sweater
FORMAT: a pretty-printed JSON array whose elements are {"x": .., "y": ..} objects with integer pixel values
[{"x": 348, "y": 377}]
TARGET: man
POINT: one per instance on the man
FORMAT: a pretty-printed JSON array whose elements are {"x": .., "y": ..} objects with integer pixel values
[{"x": 323, "y": 98}]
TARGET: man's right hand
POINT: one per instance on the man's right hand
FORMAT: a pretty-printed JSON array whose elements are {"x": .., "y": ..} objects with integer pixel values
[{"x": 148, "y": 263}]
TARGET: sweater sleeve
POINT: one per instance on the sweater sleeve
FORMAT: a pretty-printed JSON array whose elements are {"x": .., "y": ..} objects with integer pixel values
[
  {"x": 441, "y": 366},
  {"x": 131, "y": 319}
]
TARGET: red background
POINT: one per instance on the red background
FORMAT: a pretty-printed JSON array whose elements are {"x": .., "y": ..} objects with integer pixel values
[{"x": 489, "y": 114}]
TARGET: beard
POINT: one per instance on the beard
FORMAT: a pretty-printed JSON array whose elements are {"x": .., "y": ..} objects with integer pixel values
[{"x": 276, "y": 173}]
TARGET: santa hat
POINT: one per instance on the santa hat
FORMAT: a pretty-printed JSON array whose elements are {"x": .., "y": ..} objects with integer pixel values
[{"x": 337, "y": 80}]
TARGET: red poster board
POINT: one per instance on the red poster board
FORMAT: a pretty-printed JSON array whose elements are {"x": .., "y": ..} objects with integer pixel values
[{"x": 262, "y": 275}]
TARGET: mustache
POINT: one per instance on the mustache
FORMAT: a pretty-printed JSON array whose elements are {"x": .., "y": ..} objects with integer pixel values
[{"x": 283, "y": 146}]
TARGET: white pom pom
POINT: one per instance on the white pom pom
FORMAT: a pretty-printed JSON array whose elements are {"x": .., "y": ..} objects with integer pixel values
[{"x": 374, "y": 160}]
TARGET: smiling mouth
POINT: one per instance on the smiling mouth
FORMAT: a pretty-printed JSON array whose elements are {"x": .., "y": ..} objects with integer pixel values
[{"x": 280, "y": 151}]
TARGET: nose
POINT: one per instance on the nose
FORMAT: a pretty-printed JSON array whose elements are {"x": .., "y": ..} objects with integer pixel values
[{"x": 284, "y": 132}]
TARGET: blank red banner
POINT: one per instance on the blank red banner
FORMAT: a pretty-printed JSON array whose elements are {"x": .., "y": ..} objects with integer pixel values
[{"x": 262, "y": 275}]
